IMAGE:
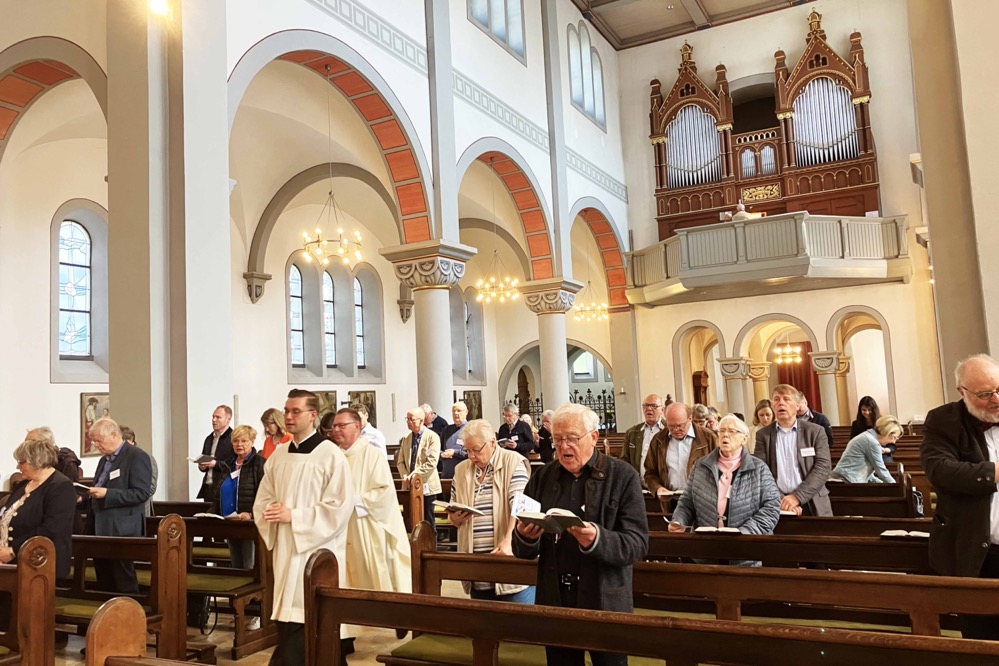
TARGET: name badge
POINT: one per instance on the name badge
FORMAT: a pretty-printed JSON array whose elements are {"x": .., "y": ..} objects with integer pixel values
[
  {"x": 460, "y": 443},
  {"x": 115, "y": 474},
  {"x": 513, "y": 438},
  {"x": 808, "y": 453},
  {"x": 234, "y": 475}
]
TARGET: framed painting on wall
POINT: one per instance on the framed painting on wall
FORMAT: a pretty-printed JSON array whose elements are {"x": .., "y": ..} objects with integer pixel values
[
  {"x": 93, "y": 406},
  {"x": 366, "y": 398},
  {"x": 327, "y": 402},
  {"x": 473, "y": 400}
]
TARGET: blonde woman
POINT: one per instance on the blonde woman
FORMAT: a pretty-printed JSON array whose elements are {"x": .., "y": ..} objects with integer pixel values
[{"x": 273, "y": 422}]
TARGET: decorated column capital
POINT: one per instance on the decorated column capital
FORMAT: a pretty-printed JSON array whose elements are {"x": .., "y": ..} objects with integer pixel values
[
  {"x": 734, "y": 368},
  {"x": 255, "y": 283},
  {"x": 844, "y": 365},
  {"x": 825, "y": 363},
  {"x": 759, "y": 371},
  {"x": 551, "y": 296},
  {"x": 434, "y": 264}
]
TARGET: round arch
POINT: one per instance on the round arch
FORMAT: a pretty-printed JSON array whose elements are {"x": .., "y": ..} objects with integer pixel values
[
  {"x": 373, "y": 99},
  {"x": 741, "y": 346},
  {"x": 599, "y": 220},
  {"x": 32, "y": 67},
  {"x": 508, "y": 238},
  {"x": 517, "y": 360},
  {"x": 272, "y": 212},
  {"x": 835, "y": 341},
  {"x": 511, "y": 168},
  {"x": 679, "y": 362}
]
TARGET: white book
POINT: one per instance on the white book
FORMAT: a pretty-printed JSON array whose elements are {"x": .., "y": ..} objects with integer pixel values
[
  {"x": 723, "y": 530},
  {"x": 458, "y": 506},
  {"x": 905, "y": 535}
]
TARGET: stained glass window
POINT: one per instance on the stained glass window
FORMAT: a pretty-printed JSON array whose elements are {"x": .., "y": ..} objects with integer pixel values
[
  {"x": 329, "y": 324},
  {"x": 75, "y": 280},
  {"x": 359, "y": 322},
  {"x": 295, "y": 320}
]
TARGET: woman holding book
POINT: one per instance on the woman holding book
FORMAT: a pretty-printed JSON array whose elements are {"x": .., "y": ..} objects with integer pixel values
[
  {"x": 234, "y": 496},
  {"x": 729, "y": 489},
  {"x": 488, "y": 482}
]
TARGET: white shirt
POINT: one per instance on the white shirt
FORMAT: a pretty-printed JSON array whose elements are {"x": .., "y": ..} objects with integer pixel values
[
  {"x": 677, "y": 457},
  {"x": 788, "y": 471},
  {"x": 648, "y": 432},
  {"x": 992, "y": 441},
  {"x": 375, "y": 438}
]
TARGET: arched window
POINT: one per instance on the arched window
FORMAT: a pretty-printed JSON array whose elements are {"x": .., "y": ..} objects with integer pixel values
[
  {"x": 296, "y": 319},
  {"x": 586, "y": 75},
  {"x": 503, "y": 20},
  {"x": 329, "y": 322},
  {"x": 74, "y": 291},
  {"x": 359, "y": 324}
]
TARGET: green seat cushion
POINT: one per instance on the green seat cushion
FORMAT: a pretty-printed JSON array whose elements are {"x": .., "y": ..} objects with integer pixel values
[
  {"x": 458, "y": 651},
  {"x": 216, "y": 584},
  {"x": 143, "y": 576},
  {"x": 210, "y": 552},
  {"x": 81, "y": 608}
]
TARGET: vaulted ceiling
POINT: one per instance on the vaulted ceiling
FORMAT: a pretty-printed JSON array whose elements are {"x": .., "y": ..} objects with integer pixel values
[{"x": 628, "y": 23}]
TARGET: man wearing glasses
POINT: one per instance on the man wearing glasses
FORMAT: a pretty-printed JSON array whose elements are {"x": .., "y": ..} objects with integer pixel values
[
  {"x": 960, "y": 454},
  {"x": 304, "y": 503},
  {"x": 638, "y": 437},
  {"x": 418, "y": 454},
  {"x": 586, "y": 566}
]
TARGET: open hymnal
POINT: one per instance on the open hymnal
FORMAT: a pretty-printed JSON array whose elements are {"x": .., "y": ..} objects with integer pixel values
[
  {"x": 723, "y": 530},
  {"x": 458, "y": 506},
  {"x": 201, "y": 459},
  {"x": 903, "y": 534},
  {"x": 554, "y": 521},
  {"x": 666, "y": 492}
]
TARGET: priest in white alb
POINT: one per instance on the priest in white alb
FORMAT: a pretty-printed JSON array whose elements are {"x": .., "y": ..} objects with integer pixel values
[
  {"x": 378, "y": 553},
  {"x": 304, "y": 503}
]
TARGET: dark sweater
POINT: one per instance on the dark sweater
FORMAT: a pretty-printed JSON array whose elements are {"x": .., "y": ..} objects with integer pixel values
[{"x": 49, "y": 512}]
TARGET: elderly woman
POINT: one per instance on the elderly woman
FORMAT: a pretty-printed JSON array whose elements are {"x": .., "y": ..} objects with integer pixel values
[
  {"x": 488, "y": 481},
  {"x": 234, "y": 497},
  {"x": 273, "y": 422},
  {"x": 452, "y": 443},
  {"x": 862, "y": 461},
  {"x": 730, "y": 487},
  {"x": 44, "y": 506}
]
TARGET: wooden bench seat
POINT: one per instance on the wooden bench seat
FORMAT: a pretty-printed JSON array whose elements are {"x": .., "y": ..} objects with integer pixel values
[{"x": 30, "y": 636}]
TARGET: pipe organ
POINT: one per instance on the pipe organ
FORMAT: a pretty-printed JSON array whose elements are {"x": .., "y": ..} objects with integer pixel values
[{"x": 818, "y": 157}]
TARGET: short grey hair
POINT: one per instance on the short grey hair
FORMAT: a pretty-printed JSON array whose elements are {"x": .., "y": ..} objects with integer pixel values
[
  {"x": 963, "y": 364},
  {"x": 571, "y": 410},
  {"x": 43, "y": 433},
  {"x": 735, "y": 422},
  {"x": 39, "y": 453},
  {"x": 699, "y": 412},
  {"x": 460, "y": 405},
  {"x": 511, "y": 408},
  {"x": 427, "y": 409},
  {"x": 548, "y": 413},
  {"x": 478, "y": 430},
  {"x": 104, "y": 427}
]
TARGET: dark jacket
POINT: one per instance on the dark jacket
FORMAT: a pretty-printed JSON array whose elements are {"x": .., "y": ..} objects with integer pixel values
[
  {"x": 613, "y": 502},
  {"x": 631, "y": 449},
  {"x": 815, "y": 469},
  {"x": 69, "y": 464},
  {"x": 956, "y": 459},
  {"x": 122, "y": 511},
  {"x": 820, "y": 419},
  {"x": 250, "y": 476},
  {"x": 222, "y": 452},
  {"x": 445, "y": 466},
  {"x": 438, "y": 425},
  {"x": 546, "y": 448},
  {"x": 523, "y": 433},
  {"x": 49, "y": 512}
]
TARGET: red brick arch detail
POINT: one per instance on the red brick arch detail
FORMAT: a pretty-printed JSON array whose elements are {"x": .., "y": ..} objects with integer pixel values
[
  {"x": 528, "y": 204},
  {"x": 22, "y": 85},
  {"x": 611, "y": 256},
  {"x": 397, "y": 150}
]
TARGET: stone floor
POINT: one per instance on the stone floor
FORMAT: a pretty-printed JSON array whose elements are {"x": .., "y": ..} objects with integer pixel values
[{"x": 369, "y": 643}]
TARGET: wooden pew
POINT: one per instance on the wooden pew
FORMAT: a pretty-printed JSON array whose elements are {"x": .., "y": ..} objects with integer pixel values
[
  {"x": 30, "y": 636},
  {"x": 893, "y": 500},
  {"x": 825, "y": 525},
  {"x": 165, "y": 595},
  {"x": 116, "y": 636},
  {"x": 182, "y": 509},
  {"x": 680, "y": 641},
  {"x": 411, "y": 501},
  {"x": 240, "y": 587}
]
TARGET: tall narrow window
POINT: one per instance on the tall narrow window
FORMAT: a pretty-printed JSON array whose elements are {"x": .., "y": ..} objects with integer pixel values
[
  {"x": 468, "y": 338},
  {"x": 586, "y": 75},
  {"x": 329, "y": 325},
  {"x": 359, "y": 322},
  {"x": 74, "y": 291},
  {"x": 296, "y": 322},
  {"x": 503, "y": 20}
]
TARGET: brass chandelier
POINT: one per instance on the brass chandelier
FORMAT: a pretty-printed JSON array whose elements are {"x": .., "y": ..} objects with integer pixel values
[{"x": 498, "y": 286}]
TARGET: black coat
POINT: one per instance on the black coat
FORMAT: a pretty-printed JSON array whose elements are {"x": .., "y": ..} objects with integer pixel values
[
  {"x": 956, "y": 459},
  {"x": 122, "y": 512},
  {"x": 614, "y": 502},
  {"x": 49, "y": 512},
  {"x": 546, "y": 448},
  {"x": 523, "y": 433},
  {"x": 820, "y": 419},
  {"x": 250, "y": 475},
  {"x": 222, "y": 452}
]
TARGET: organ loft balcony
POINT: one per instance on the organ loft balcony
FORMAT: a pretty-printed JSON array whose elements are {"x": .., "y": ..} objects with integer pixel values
[{"x": 781, "y": 253}]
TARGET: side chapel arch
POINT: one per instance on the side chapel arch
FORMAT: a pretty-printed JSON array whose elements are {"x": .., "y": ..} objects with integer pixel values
[
  {"x": 681, "y": 341},
  {"x": 836, "y": 339},
  {"x": 605, "y": 234}
]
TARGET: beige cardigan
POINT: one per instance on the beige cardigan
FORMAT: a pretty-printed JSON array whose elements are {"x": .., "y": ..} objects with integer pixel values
[{"x": 504, "y": 462}]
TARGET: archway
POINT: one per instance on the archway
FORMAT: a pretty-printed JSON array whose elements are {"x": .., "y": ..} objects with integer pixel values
[
  {"x": 759, "y": 341},
  {"x": 604, "y": 232},
  {"x": 690, "y": 346},
  {"x": 862, "y": 334}
]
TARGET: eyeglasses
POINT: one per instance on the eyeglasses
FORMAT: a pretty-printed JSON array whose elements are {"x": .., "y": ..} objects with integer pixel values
[
  {"x": 414, "y": 419},
  {"x": 729, "y": 431},
  {"x": 476, "y": 451},
  {"x": 571, "y": 440},
  {"x": 341, "y": 426},
  {"x": 983, "y": 395},
  {"x": 296, "y": 412},
  {"x": 650, "y": 405}
]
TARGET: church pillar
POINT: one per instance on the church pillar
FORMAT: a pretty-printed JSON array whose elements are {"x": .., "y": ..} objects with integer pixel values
[
  {"x": 442, "y": 147},
  {"x": 759, "y": 372},
  {"x": 430, "y": 269},
  {"x": 550, "y": 300},
  {"x": 736, "y": 372},
  {"x": 825, "y": 365},
  {"x": 845, "y": 408},
  {"x": 551, "y": 32},
  {"x": 625, "y": 368}
]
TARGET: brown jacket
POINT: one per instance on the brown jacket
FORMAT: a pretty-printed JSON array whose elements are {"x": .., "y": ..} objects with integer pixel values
[{"x": 656, "y": 471}]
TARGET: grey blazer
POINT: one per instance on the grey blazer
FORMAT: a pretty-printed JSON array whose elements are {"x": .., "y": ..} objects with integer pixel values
[{"x": 814, "y": 469}]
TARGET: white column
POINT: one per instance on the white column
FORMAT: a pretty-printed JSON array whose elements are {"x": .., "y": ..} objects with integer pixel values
[
  {"x": 443, "y": 152},
  {"x": 550, "y": 300},
  {"x": 430, "y": 268},
  {"x": 825, "y": 365},
  {"x": 735, "y": 371},
  {"x": 845, "y": 408},
  {"x": 551, "y": 34},
  {"x": 626, "y": 369},
  {"x": 759, "y": 372}
]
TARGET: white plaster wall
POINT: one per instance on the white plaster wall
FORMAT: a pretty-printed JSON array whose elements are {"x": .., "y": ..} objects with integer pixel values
[
  {"x": 867, "y": 371},
  {"x": 79, "y": 22},
  {"x": 58, "y": 152}
]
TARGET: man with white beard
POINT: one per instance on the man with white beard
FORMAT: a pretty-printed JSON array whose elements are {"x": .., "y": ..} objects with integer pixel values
[{"x": 960, "y": 454}]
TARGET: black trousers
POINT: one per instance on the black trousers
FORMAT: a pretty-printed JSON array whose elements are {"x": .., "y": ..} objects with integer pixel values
[
  {"x": 116, "y": 576},
  {"x": 568, "y": 657},
  {"x": 290, "y": 649},
  {"x": 428, "y": 511},
  {"x": 984, "y": 627}
]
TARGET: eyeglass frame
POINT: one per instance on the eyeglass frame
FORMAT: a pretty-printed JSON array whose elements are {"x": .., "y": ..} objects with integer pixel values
[{"x": 984, "y": 396}]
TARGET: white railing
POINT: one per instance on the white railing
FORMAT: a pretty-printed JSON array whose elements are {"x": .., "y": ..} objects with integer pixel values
[{"x": 731, "y": 246}]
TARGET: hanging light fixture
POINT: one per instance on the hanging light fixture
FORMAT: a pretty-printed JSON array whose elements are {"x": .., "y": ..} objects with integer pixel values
[
  {"x": 498, "y": 286},
  {"x": 587, "y": 308},
  {"x": 344, "y": 247},
  {"x": 787, "y": 355}
]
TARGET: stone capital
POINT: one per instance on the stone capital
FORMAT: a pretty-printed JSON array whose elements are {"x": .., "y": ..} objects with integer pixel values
[
  {"x": 844, "y": 365},
  {"x": 734, "y": 368},
  {"x": 255, "y": 284},
  {"x": 550, "y": 296},
  {"x": 759, "y": 371},
  {"x": 430, "y": 264},
  {"x": 825, "y": 363}
]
